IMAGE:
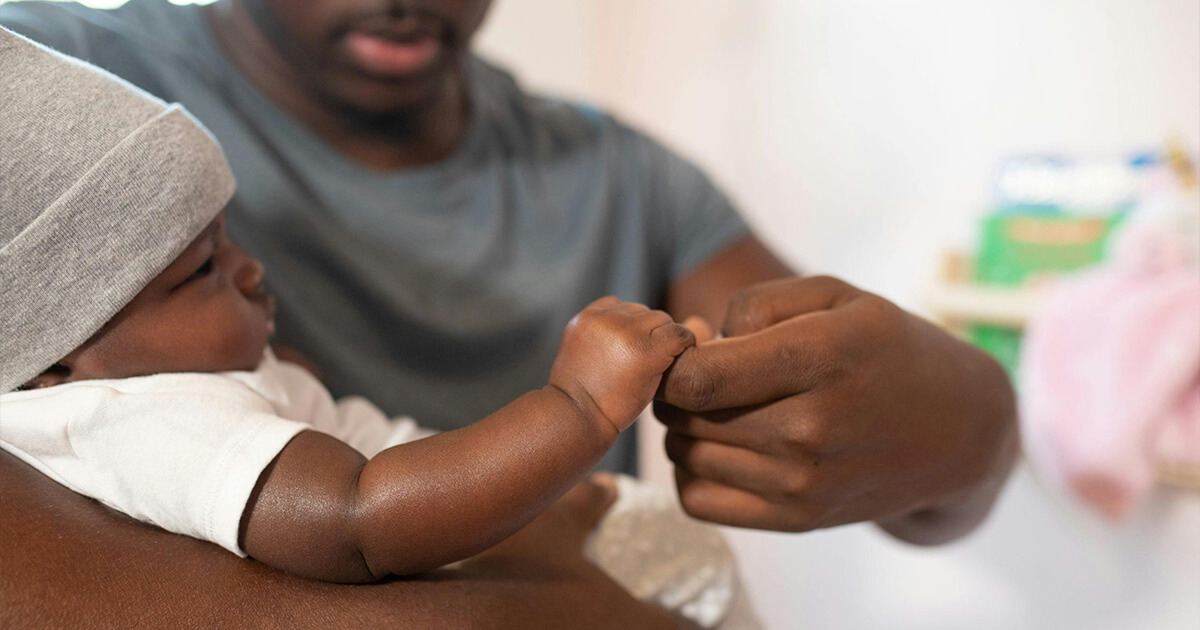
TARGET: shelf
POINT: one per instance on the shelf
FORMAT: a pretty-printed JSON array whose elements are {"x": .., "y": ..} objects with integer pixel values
[{"x": 975, "y": 304}]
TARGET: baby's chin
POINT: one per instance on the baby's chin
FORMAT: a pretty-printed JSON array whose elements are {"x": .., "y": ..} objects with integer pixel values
[
  {"x": 252, "y": 362},
  {"x": 246, "y": 360}
]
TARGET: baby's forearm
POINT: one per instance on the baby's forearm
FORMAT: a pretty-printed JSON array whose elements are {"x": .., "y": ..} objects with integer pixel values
[
  {"x": 450, "y": 496},
  {"x": 421, "y": 505}
]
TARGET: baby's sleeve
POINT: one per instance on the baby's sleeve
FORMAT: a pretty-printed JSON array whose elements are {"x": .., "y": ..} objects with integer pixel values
[
  {"x": 351, "y": 419},
  {"x": 184, "y": 456}
]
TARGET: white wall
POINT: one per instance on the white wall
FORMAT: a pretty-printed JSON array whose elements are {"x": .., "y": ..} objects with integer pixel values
[{"x": 859, "y": 137}]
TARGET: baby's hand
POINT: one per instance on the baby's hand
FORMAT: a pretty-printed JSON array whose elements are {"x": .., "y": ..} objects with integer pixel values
[{"x": 613, "y": 355}]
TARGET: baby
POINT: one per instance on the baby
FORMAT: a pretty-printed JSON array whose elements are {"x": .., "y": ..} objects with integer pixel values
[{"x": 135, "y": 367}]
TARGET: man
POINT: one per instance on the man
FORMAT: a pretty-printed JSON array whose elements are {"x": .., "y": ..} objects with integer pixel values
[{"x": 407, "y": 196}]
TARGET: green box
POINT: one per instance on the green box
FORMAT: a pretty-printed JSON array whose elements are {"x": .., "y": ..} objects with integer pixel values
[{"x": 1018, "y": 246}]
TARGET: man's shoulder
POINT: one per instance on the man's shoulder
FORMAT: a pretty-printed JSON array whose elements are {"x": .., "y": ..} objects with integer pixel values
[
  {"x": 145, "y": 29},
  {"x": 546, "y": 123}
]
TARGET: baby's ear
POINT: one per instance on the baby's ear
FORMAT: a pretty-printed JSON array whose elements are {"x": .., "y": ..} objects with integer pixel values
[{"x": 56, "y": 374}]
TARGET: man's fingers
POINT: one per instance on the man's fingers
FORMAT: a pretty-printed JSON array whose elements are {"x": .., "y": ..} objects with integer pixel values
[
  {"x": 744, "y": 469},
  {"x": 761, "y": 429},
  {"x": 798, "y": 426},
  {"x": 718, "y": 503},
  {"x": 783, "y": 360},
  {"x": 762, "y": 305}
]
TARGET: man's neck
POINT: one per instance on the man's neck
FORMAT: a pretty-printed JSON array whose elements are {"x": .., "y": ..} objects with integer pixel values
[{"x": 422, "y": 135}]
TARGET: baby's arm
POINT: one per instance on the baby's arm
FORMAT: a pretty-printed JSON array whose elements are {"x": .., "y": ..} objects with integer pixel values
[{"x": 323, "y": 511}]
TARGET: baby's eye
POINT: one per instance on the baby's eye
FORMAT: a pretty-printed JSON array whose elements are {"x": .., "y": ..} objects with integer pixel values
[{"x": 202, "y": 270}]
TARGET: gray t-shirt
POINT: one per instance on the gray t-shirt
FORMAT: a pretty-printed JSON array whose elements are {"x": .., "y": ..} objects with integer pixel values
[{"x": 438, "y": 292}]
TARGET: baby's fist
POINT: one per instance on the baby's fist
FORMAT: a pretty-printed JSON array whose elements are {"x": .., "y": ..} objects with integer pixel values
[{"x": 613, "y": 355}]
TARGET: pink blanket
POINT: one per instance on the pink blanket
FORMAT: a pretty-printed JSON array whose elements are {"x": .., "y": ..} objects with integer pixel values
[{"x": 1110, "y": 373}]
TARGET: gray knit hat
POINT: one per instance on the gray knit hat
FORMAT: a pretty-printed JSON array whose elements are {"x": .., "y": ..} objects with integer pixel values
[{"x": 101, "y": 187}]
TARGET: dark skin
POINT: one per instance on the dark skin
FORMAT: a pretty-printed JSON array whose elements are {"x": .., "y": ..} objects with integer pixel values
[
  {"x": 823, "y": 405},
  {"x": 321, "y": 509}
]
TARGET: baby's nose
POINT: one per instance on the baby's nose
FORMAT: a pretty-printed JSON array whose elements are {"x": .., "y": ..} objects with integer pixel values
[{"x": 249, "y": 274}]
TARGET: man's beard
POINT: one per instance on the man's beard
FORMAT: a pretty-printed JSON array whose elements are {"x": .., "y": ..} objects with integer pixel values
[
  {"x": 402, "y": 121},
  {"x": 397, "y": 124}
]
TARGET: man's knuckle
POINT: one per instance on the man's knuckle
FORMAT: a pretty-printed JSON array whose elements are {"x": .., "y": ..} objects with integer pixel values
[
  {"x": 801, "y": 435},
  {"x": 796, "y": 485},
  {"x": 836, "y": 367},
  {"x": 891, "y": 316},
  {"x": 829, "y": 283},
  {"x": 739, "y": 298},
  {"x": 787, "y": 356},
  {"x": 748, "y": 307},
  {"x": 826, "y": 358}
]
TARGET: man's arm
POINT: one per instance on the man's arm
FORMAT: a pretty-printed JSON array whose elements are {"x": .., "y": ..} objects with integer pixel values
[
  {"x": 923, "y": 425},
  {"x": 67, "y": 562}
]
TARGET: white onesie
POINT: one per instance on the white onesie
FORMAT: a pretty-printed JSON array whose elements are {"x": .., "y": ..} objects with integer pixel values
[{"x": 183, "y": 451}]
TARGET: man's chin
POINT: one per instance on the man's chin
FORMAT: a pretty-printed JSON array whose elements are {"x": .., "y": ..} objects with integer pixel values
[{"x": 385, "y": 104}]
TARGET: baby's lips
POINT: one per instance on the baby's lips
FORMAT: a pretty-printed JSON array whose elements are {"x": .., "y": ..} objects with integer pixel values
[{"x": 268, "y": 304}]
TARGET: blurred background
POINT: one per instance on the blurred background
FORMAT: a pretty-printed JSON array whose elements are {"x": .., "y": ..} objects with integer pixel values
[{"x": 878, "y": 140}]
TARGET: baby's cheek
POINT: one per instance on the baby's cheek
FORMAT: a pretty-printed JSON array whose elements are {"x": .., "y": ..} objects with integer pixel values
[
  {"x": 252, "y": 341},
  {"x": 238, "y": 344}
]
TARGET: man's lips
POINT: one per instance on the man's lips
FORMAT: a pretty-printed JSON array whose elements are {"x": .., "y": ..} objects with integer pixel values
[{"x": 392, "y": 56}]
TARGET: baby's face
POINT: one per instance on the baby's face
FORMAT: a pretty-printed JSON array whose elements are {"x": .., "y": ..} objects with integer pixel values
[{"x": 206, "y": 312}]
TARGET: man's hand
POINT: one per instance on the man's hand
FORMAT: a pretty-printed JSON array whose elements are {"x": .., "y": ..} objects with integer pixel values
[
  {"x": 825, "y": 405},
  {"x": 613, "y": 355}
]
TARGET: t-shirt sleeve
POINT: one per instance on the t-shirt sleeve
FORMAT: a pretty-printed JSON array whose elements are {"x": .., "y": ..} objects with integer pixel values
[
  {"x": 130, "y": 41},
  {"x": 184, "y": 456},
  {"x": 695, "y": 218}
]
